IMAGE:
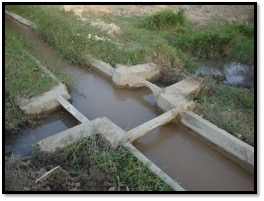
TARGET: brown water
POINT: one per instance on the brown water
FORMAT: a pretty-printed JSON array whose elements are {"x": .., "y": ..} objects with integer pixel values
[{"x": 172, "y": 147}]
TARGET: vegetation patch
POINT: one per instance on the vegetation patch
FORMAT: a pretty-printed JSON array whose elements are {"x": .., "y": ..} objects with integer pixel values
[
  {"x": 18, "y": 67},
  {"x": 231, "y": 108},
  {"x": 164, "y": 19},
  {"x": 122, "y": 167},
  {"x": 233, "y": 42},
  {"x": 87, "y": 165}
]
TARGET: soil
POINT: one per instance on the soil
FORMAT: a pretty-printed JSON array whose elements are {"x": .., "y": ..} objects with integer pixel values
[
  {"x": 201, "y": 15},
  {"x": 80, "y": 174}
]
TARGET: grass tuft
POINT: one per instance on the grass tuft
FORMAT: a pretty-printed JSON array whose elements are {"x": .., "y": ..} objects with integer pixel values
[
  {"x": 22, "y": 78},
  {"x": 120, "y": 165},
  {"x": 231, "y": 108},
  {"x": 232, "y": 42},
  {"x": 164, "y": 19}
]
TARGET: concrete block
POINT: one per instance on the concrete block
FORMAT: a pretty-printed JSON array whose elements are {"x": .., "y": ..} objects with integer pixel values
[
  {"x": 110, "y": 131},
  {"x": 149, "y": 71},
  {"x": 229, "y": 145},
  {"x": 141, "y": 130},
  {"x": 184, "y": 87},
  {"x": 167, "y": 102},
  {"x": 121, "y": 76},
  {"x": 44, "y": 103},
  {"x": 66, "y": 138},
  {"x": 103, "y": 126}
]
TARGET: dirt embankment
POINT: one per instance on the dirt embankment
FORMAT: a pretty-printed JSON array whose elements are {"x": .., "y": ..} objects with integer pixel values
[
  {"x": 80, "y": 174},
  {"x": 201, "y": 15}
]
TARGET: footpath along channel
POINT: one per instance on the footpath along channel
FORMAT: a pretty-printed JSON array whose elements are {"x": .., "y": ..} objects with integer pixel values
[{"x": 178, "y": 150}]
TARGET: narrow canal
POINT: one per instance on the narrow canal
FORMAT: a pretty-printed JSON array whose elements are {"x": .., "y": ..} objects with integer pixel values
[{"x": 172, "y": 147}]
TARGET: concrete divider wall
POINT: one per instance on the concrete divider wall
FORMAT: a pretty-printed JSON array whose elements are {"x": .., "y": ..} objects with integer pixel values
[{"x": 237, "y": 150}]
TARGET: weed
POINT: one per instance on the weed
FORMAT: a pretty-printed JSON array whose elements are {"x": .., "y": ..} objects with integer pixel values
[
  {"x": 121, "y": 166},
  {"x": 18, "y": 67},
  {"x": 233, "y": 41},
  {"x": 231, "y": 108},
  {"x": 164, "y": 19}
]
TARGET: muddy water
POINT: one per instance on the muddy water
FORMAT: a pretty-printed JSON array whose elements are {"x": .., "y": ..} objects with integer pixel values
[
  {"x": 171, "y": 147},
  {"x": 233, "y": 73},
  {"x": 24, "y": 141}
]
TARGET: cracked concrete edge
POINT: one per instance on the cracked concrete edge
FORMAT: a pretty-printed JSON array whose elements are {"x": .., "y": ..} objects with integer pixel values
[{"x": 232, "y": 147}]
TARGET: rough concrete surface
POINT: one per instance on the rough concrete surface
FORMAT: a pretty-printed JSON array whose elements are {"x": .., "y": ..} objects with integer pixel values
[
  {"x": 122, "y": 74},
  {"x": 103, "y": 126},
  {"x": 44, "y": 103},
  {"x": 100, "y": 66},
  {"x": 135, "y": 81},
  {"x": 65, "y": 138},
  {"x": 141, "y": 130}
]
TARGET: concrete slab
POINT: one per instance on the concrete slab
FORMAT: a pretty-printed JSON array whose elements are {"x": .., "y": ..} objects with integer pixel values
[
  {"x": 103, "y": 126},
  {"x": 141, "y": 130},
  {"x": 175, "y": 95},
  {"x": 232, "y": 147},
  {"x": 148, "y": 71},
  {"x": 71, "y": 109},
  {"x": 167, "y": 102},
  {"x": 44, "y": 103},
  {"x": 184, "y": 87},
  {"x": 66, "y": 138},
  {"x": 122, "y": 74},
  {"x": 110, "y": 131}
]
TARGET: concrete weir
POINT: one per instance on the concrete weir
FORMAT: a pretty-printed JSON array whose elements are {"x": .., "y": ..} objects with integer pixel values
[
  {"x": 172, "y": 100},
  {"x": 113, "y": 134}
]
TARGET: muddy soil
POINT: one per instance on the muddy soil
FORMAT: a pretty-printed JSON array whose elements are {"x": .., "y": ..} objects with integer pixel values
[{"x": 67, "y": 174}]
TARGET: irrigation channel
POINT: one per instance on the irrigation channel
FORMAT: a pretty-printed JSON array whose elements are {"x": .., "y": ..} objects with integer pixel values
[{"x": 174, "y": 148}]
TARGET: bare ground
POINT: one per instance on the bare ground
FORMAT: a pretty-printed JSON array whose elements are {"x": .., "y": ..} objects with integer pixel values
[
  {"x": 81, "y": 174},
  {"x": 201, "y": 15}
]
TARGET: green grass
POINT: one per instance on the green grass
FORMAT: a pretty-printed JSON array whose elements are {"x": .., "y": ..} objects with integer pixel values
[
  {"x": 164, "y": 19},
  {"x": 231, "y": 108},
  {"x": 70, "y": 39},
  {"x": 119, "y": 164},
  {"x": 22, "y": 77},
  {"x": 235, "y": 42}
]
